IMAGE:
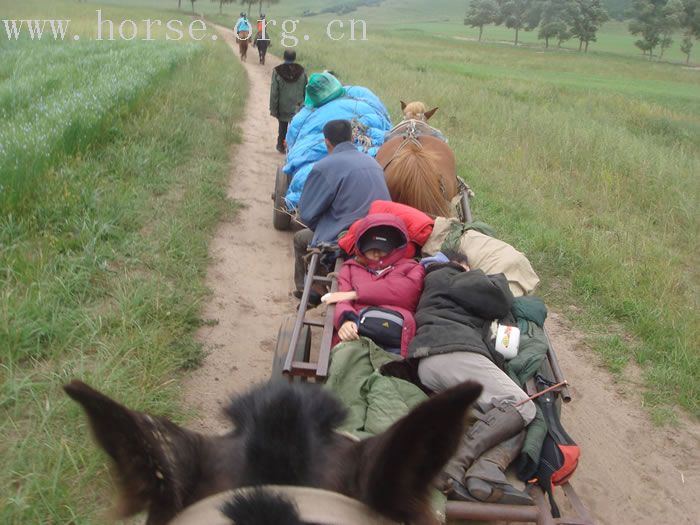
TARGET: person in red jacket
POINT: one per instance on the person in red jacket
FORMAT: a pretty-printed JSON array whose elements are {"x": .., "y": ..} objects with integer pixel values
[{"x": 379, "y": 275}]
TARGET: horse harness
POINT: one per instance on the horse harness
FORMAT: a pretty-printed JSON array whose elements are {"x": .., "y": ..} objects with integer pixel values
[{"x": 410, "y": 135}]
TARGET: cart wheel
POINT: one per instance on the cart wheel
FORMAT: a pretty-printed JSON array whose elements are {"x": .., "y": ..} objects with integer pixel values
[
  {"x": 301, "y": 353},
  {"x": 280, "y": 219}
]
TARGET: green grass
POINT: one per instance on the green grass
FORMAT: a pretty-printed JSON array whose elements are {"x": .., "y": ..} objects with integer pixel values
[
  {"x": 79, "y": 88},
  {"x": 103, "y": 268}
]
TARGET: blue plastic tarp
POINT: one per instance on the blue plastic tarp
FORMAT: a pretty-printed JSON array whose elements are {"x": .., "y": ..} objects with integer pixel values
[{"x": 305, "y": 143}]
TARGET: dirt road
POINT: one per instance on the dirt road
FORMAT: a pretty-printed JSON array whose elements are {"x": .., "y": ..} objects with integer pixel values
[
  {"x": 252, "y": 264},
  {"x": 630, "y": 472}
]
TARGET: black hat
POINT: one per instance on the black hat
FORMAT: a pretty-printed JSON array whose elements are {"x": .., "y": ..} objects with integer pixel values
[{"x": 385, "y": 238}]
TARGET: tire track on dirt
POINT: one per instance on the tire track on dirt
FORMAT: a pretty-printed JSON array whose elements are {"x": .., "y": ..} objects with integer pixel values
[{"x": 252, "y": 264}]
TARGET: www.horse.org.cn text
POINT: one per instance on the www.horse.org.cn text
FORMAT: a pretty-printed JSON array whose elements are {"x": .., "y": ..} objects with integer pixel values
[{"x": 287, "y": 32}]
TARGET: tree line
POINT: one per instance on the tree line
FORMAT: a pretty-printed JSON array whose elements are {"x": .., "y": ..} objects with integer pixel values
[
  {"x": 221, "y": 3},
  {"x": 558, "y": 20},
  {"x": 655, "y": 21}
]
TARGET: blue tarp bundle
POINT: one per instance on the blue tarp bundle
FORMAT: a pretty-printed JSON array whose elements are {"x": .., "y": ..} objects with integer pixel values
[{"x": 305, "y": 143}]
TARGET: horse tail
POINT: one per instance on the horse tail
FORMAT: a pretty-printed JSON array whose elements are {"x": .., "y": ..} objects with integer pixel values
[{"x": 415, "y": 177}]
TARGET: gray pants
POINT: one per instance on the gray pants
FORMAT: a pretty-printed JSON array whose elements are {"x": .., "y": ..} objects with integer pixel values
[
  {"x": 440, "y": 372},
  {"x": 302, "y": 238}
]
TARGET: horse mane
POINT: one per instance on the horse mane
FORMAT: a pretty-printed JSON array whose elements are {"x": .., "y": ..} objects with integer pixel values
[
  {"x": 283, "y": 427},
  {"x": 414, "y": 177},
  {"x": 261, "y": 508}
]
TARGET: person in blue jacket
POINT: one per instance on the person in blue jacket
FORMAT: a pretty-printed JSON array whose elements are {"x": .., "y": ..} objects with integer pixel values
[
  {"x": 338, "y": 191},
  {"x": 243, "y": 25}
]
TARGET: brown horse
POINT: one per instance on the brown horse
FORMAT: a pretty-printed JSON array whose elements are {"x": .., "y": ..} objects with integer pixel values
[
  {"x": 243, "y": 38},
  {"x": 419, "y": 166},
  {"x": 282, "y": 463}
]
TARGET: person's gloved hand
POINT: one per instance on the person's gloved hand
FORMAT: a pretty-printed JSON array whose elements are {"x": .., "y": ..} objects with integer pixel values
[{"x": 438, "y": 258}]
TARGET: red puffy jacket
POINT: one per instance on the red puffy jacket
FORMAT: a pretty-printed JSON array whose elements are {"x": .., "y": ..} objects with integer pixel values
[
  {"x": 398, "y": 287},
  {"x": 418, "y": 224}
]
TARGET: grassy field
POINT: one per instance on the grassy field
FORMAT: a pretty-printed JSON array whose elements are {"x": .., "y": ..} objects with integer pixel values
[
  {"x": 587, "y": 162},
  {"x": 437, "y": 18},
  {"x": 114, "y": 177}
]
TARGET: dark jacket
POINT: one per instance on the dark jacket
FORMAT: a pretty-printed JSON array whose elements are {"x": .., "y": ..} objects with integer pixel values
[
  {"x": 397, "y": 287},
  {"x": 339, "y": 190},
  {"x": 287, "y": 90},
  {"x": 456, "y": 309}
]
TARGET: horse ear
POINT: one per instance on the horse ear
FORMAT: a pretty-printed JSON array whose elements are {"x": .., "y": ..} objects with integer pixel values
[
  {"x": 397, "y": 468},
  {"x": 155, "y": 463},
  {"x": 430, "y": 113},
  {"x": 403, "y": 105}
]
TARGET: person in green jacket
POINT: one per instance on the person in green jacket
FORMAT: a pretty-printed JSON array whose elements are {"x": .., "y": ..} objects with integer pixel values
[{"x": 286, "y": 94}]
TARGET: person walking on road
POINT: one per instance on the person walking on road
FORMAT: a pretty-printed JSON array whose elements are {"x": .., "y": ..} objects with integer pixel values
[{"x": 286, "y": 94}]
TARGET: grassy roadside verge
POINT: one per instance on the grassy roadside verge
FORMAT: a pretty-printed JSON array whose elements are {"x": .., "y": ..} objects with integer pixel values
[{"x": 110, "y": 289}]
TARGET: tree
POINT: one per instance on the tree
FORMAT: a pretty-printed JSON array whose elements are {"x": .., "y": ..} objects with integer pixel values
[
  {"x": 519, "y": 14},
  {"x": 585, "y": 18},
  {"x": 193, "y": 1},
  {"x": 647, "y": 21},
  {"x": 221, "y": 4},
  {"x": 670, "y": 21},
  {"x": 687, "y": 47},
  {"x": 249, "y": 3},
  {"x": 179, "y": 4},
  {"x": 554, "y": 21},
  {"x": 481, "y": 13},
  {"x": 269, "y": 2},
  {"x": 617, "y": 9},
  {"x": 690, "y": 22}
]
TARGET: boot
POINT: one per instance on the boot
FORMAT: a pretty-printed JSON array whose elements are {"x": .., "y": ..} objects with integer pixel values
[
  {"x": 486, "y": 480},
  {"x": 490, "y": 429}
]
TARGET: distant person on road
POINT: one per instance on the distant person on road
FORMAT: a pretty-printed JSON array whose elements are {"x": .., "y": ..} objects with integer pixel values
[
  {"x": 262, "y": 23},
  {"x": 286, "y": 94},
  {"x": 337, "y": 192},
  {"x": 242, "y": 27},
  {"x": 262, "y": 39}
]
